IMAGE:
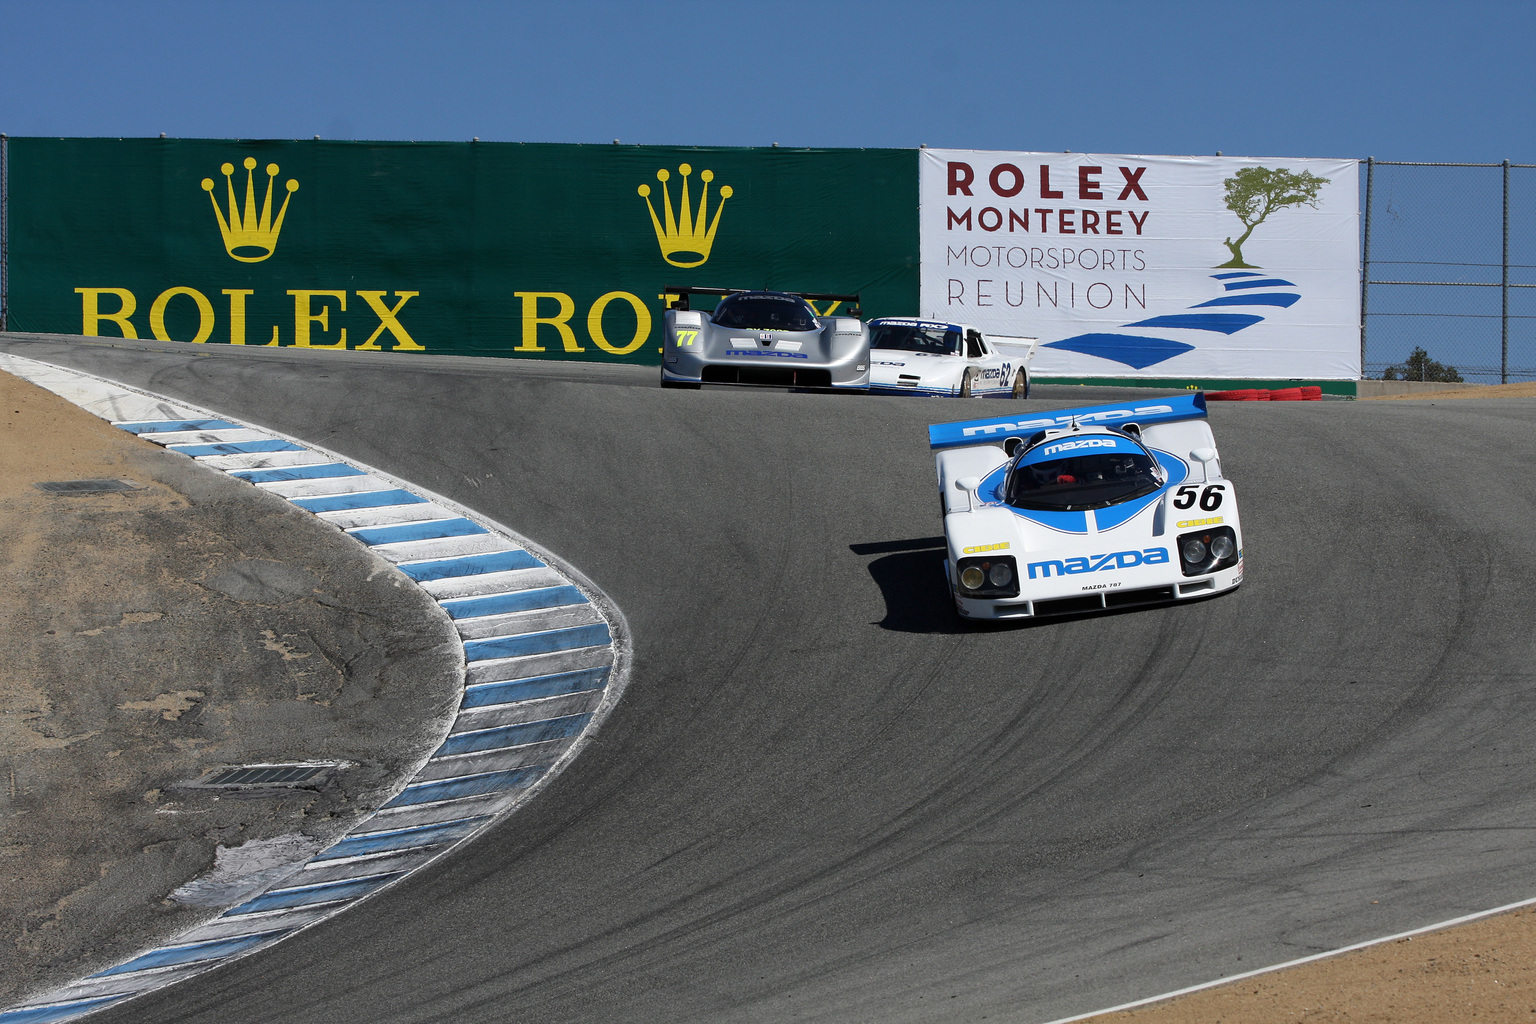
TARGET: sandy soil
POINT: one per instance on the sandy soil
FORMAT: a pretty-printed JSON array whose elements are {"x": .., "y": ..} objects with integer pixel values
[
  {"x": 1483, "y": 971},
  {"x": 150, "y": 636},
  {"x": 1523, "y": 389}
]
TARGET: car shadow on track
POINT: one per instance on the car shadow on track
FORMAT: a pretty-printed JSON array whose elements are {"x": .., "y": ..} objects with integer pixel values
[
  {"x": 917, "y": 600},
  {"x": 910, "y": 576}
]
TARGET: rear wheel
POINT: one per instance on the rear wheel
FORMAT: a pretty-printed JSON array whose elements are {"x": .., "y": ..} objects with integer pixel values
[
  {"x": 965, "y": 383},
  {"x": 1021, "y": 384}
]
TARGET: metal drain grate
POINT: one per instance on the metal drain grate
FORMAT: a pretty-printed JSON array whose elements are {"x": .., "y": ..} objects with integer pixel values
[
  {"x": 266, "y": 776},
  {"x": 85, "y": 486}
]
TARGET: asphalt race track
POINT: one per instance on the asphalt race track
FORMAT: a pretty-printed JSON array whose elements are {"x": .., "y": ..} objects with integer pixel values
[{"x": 822, "y": 799}]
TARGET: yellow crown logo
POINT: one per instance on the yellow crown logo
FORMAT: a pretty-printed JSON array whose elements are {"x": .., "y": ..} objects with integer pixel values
[
  {"x": 684, "y": 241},
  {"x": 248, "y": 237}
]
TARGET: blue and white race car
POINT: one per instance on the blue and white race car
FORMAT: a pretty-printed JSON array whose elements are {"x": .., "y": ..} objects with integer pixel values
[
  {"x": 912, "y": 356},
  {"x": 1080, "y": 510}
]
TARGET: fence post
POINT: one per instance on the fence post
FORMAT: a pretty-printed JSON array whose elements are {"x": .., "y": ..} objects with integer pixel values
[
  {"x": 1504, "y": 318},
  {"x": 1365, "y": 266}
]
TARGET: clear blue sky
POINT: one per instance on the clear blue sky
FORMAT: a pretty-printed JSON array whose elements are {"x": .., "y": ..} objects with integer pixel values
[{"x": 1401, "y": 80}]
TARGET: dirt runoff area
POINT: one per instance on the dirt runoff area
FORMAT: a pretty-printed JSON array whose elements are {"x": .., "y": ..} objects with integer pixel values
[
  {"x": 1484, "y": 971},
  {"x": 148, "y": 637}
]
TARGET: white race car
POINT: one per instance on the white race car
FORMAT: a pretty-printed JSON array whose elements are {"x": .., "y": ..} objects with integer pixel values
[
  {"x": 912, "y": 356},
  {"x": 1081, "y": 510}
]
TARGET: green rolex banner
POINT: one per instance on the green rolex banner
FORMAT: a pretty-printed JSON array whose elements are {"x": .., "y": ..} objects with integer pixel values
[{"x": 542, "y": 251}]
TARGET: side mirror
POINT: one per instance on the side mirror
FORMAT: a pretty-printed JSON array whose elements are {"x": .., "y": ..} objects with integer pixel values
[
  {"x": 1204, "y": 456},
  {"x": 968, "y": 485},
  {"x": 1011, "y": 445}
]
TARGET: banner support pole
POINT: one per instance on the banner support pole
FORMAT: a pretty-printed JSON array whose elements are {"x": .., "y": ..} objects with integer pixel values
[
  {"x": 1504, "y": 318},
  {"x": 1365, "y": 264}
]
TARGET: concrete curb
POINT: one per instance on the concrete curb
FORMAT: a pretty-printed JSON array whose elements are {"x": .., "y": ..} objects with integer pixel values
[
  {"x": 1382, "y": 388},
  {"x": 546, "y": 657}
]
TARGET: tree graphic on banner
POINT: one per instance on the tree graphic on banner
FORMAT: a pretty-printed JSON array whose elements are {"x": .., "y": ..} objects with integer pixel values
[{"x": 1254, "y": 193}]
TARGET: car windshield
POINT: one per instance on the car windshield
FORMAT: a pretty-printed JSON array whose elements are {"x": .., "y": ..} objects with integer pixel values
[
  {"x": 1082, "y": 482},
  {"x": 766, "y": 313},
  {"x": 915, "y": 338}
]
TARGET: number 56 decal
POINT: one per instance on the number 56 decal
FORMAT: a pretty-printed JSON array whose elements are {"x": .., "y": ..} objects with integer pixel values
[{"x": 1210, "y": 498}]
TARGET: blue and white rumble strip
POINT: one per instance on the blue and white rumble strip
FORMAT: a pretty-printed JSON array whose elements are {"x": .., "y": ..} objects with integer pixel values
[{"x": 546, "y": 657}]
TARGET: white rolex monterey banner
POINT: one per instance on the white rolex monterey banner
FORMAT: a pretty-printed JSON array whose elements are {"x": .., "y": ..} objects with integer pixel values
[{"x": 1148, "y": 266}]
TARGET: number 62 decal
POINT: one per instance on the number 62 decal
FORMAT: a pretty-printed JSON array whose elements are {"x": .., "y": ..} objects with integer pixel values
[{"x": 1209, "y": 498}]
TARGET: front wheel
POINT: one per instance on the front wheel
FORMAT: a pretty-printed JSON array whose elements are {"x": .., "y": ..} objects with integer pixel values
[
  {"x": 1021, "y": 384},
  {"x": 965, "y": 383}
]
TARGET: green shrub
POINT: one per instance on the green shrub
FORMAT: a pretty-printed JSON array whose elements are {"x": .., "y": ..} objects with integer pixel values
[{"x": 1418, "y": 366}]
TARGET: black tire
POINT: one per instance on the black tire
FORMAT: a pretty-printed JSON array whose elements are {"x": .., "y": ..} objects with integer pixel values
[
  {"x": 965, "y": 383},
  {"x": 1021, "y": 383}
]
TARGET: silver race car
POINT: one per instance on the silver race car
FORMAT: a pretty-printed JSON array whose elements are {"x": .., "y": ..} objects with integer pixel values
[{"x": 774, "y": 339}]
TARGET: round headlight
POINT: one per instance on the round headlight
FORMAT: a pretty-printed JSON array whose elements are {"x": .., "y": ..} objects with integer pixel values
[
  {"x": 1194, "y": 551},
  {"x": 1000, "y": 575},
  {"x": 972, "y": 578},
  {"x": 1221, "y": 547}
]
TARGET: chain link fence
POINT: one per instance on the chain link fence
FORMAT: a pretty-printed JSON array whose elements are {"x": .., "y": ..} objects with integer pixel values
[{"x": 1448, "y": 272}]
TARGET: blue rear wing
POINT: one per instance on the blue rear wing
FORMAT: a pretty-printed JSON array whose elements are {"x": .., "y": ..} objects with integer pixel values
[{"x": 1157, "y": 410}]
